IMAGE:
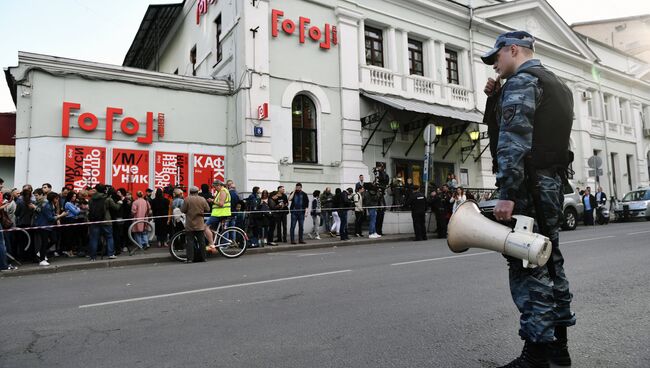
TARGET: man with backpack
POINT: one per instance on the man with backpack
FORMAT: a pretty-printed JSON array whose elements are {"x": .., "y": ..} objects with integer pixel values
[{"x": 101, "y": 205}]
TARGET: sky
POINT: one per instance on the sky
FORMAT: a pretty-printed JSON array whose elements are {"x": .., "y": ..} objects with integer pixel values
[{"x": 102, "y": 31}]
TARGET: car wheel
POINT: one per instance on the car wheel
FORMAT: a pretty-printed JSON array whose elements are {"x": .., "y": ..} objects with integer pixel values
[{"x": 570, "y": 219}]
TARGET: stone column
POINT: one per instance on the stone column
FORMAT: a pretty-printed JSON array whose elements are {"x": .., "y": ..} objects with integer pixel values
[{"x": 351, "y": 155}]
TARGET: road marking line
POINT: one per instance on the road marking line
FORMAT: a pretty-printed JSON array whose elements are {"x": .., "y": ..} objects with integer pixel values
[
  {"x": 212, "y": 289},
  {"x": 639, "y": 232},
  {"x": 441, "y": 258},
  {"x": 314, "y": 254},
  {"x": 584, "y": 240}
]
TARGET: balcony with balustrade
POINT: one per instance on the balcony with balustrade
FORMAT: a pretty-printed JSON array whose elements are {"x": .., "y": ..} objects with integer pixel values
[{"x": 385, "y": 81}]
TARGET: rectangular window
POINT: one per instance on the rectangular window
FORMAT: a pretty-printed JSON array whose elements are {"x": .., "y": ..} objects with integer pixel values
[
  {"x": 415, "y": 57},
  {"x": 452, "y": 66},
  {"x": 219, "y": 51},
  {"x": 374, "y": 46},
  {"x": 193, "y": 60},
  {"x": 591, "y": 103},
  {"x": 622, "y": 110},
  {"x": 607, "y": 103},
  {"x": 630, "y": 164}
]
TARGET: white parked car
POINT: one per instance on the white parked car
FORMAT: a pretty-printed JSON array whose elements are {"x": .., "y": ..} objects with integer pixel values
[{"x": 635, "y": 204}]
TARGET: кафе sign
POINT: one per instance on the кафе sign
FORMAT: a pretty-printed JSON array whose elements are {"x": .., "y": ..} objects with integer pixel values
[{"x": 86, "y": 165}]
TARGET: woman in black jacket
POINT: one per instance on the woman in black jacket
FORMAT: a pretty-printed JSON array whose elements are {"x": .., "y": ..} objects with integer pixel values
[
  {"x": 25, "y": 210},
  {"x": 160, "y": 208}
]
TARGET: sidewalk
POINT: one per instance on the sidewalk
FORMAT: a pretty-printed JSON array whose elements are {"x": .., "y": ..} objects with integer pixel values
[{"x": 161, "y": 255}]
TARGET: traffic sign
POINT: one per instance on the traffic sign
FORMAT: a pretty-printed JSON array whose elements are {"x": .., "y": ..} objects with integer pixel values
[
  {"x": 595, "y": 162},
  {"x": 429, "y": 133}
]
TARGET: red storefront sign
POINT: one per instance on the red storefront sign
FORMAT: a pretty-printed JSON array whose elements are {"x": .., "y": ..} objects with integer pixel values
[
  {"x": 263, "y": 111},
  {"x": 328, "y": 34},
  {"x": 208, "y": 168},
  {"x": 202, "y": 8},
  {"x": 84, "y": 166},
  {"x": 130, "y": 170},
  {"x": 171, "y": 169},
  {"x": 88, "y": 122}
]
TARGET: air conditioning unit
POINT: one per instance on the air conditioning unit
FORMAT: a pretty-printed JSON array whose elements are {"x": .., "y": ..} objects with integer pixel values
[
  {"x": 646, "y": 133},
  {"x": 586, "y": 96}
]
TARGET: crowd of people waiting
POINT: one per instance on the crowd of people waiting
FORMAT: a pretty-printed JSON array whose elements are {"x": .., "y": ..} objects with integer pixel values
[{"x": 98, "y": 218}]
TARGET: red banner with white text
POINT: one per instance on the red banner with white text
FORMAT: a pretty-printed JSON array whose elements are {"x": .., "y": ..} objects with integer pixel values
[
  {"x": 130, "y": 170},
  {"x": 208, "y": 168},
  {"x": 171, "y": 169},
  {"x": 84, "y": 166}
]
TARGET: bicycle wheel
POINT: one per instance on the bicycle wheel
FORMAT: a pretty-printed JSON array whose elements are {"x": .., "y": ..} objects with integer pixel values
[
  {"x": 177, "y": 246},
  {"x": 231, "y": 242}
]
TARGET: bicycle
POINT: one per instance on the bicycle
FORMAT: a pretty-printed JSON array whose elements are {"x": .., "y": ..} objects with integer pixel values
[{"x": 230, "y": 242}]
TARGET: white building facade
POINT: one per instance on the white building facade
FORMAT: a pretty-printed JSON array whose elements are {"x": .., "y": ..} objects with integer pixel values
[{"x": 319, "y": 92}]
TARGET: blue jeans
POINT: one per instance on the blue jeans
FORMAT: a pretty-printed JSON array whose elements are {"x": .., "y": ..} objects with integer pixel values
[
  {"x": 3, "y": 253},
  {"x": 372, "y": 213},
  {"x": 231, "y": 222},
  {"x": 214, "y": 221},
  {"x": 96, "y": 231},
  {"x": 299, "y": 217},
  {"x": 142, "y": 239}
]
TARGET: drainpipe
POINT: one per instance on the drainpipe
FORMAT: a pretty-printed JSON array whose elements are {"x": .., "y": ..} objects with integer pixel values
[
  {"x": 471, "y": 54},
  {"x": 471, "y": 57}
]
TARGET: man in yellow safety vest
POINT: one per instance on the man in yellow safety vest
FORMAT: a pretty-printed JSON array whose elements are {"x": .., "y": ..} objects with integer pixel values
[{"x": 221, "y": 209}]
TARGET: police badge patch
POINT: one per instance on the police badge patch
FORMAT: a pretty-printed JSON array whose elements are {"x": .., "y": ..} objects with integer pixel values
[{"x": 509, "y": 113}]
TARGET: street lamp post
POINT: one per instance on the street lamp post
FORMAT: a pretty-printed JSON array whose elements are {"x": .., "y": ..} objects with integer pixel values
[{"x": 435, "y": 131}]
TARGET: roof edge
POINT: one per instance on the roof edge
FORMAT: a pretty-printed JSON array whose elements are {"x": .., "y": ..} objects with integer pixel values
[
  {"x": 609, "y": 20},
  {"x": 53, "y": 64}
]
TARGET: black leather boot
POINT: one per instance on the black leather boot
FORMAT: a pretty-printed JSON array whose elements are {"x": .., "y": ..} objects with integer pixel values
[
  {"x": 533, "y": 355},
  {"x": 558, "y": 351}
]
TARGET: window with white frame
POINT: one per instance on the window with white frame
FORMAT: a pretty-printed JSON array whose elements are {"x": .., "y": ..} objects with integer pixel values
[
  {"x": 451, "y": 58},
  {"x": 304, "y": 133},
  {"x": 608, "y": 107},
  {"x": 623, "y": 111},
  {"x": 218, "y": 38},
  {"x": 416, "y": 66},
  {"x": 592, "y": 104},
  {"x": 374, "y": 46}
]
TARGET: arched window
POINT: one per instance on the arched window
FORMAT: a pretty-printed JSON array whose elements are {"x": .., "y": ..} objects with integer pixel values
[{"x": 303, "y": 116}]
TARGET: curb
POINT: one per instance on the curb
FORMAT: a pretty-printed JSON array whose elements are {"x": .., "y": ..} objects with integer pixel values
[{"x": 166, "y": 258}]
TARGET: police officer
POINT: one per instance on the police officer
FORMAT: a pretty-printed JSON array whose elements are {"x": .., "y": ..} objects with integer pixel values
[
  {"x": 418, "y": 204},
  {"x": 529, "y": 120}
]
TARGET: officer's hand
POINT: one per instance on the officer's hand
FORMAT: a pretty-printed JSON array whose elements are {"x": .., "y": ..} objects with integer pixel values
[
  {"x": 503, "y": 210},
  {"x": 492, "y": 86}
]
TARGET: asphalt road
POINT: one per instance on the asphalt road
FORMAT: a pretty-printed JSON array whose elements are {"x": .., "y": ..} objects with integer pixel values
[{"x": 391, "y": 305}]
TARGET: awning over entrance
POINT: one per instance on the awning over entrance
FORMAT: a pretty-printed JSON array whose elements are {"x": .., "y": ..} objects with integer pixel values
[{"x": 453, "y": 115}]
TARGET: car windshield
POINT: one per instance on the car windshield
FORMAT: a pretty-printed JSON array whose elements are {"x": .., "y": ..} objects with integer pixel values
[{"x": 638, "y": 195}]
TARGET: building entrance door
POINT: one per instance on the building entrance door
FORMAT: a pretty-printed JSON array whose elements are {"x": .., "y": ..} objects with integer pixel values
[{"x": 409, "y": 169}]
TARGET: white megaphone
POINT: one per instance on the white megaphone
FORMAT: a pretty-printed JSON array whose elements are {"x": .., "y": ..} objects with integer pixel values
[{"x": 468, "y": 228}]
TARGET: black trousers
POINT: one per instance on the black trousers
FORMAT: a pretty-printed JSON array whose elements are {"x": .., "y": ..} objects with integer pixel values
[
  {"x": 269, "y": 236},
  {"x": 195, "y": 240},
  {"x": 419, "y": 225},
  {"x": 359, "y": 216},
  {"x": 343, "y": 229},
  {"x": 281, "y": 227},
  {"x": 42, "y": 243},
  {"x": 589, "y": 217},
  {"x": 379, "y": 223},
  {"x": 441, "y": 224}
]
